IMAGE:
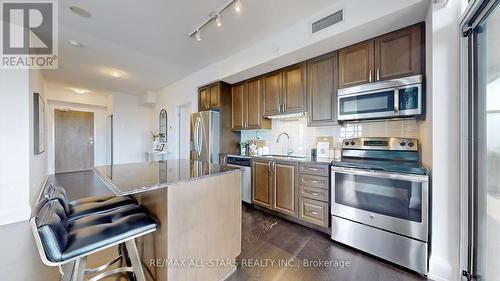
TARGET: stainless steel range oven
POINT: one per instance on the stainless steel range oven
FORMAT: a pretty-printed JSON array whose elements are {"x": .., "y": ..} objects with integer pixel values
[{"x": 380, "y": 200}]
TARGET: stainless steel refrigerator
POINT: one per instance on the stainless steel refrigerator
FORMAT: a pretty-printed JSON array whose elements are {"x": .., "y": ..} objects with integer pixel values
[{"x": 205, "y": 136}]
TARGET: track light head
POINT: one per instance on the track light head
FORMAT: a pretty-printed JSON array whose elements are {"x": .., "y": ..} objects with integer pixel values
[
  {"x": 237, "y": 6},
  {"x": 218, "y": 20},
  {"x": 197, "y": 35}
]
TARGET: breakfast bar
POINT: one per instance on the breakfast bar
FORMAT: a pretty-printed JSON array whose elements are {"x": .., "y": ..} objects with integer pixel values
[{"x": 198, "y": 206}]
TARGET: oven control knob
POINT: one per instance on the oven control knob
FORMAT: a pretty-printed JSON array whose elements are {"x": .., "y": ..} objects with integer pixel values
[
  {"x": 353, "y": 143},
  {"x": 410, "y": 144},
  {"x": 371, "y": 216},
  {"x": 402, "y": 143},
  {"x": 346, "y": 143}
]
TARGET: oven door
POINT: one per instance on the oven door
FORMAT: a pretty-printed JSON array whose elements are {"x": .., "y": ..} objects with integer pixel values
[{"x": 394, "y": 202}]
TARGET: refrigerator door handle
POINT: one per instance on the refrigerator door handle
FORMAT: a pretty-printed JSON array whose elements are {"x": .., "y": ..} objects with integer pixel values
[
  {"x": 197, "y": 136},
  {"x": 200, "y": 136}
]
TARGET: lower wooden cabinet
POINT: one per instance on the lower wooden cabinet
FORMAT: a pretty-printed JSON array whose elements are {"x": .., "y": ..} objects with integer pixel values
[
  {"x": 275, "y": 186},
  {"x": 314, "y": 212},
  {"x": 261, "y": 183},
  {"x": 285, "y": 188}
]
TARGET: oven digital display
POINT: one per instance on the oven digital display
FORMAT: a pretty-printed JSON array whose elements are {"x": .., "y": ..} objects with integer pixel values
[{"x": 376, "y": 143}]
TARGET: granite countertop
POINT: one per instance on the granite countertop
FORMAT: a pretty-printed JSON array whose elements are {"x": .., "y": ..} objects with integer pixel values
[{"x": 126, "y": 179}]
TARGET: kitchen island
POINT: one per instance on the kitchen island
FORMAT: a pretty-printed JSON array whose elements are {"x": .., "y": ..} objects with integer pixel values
[{"x": 198, "y": 206}]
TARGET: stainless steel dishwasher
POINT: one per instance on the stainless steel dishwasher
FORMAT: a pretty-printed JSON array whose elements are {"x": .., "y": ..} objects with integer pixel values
[{"x": 245, "y": 163}]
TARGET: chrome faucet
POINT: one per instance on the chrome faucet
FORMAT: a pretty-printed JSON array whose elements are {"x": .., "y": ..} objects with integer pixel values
[{"x": 288, "y": 150}]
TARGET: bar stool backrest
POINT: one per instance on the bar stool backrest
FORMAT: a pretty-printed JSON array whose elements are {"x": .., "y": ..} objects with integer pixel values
[
  {"x": 52, "y": 224},
  {"x": 58, "y": 193}
]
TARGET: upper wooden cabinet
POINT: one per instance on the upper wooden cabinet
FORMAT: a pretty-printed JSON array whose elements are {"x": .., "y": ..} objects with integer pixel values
[
  {"x": 399, "y": 53},
  {"x": 203, "y": 99},
  {"x": 356, "y": 64},
  {"x": 209, "y": 97},
  {"x": 248, "y": 106},
  {"x": 393, "y": 55},
  {"x": 294, "y": 88},
  {"x": 273, "y": 87},
  {"x": 284, "y": 90},
  {"x": 214, "y": 96},
  {"x": 322, "y": 77},
  {"x": 239, "y": 106}
]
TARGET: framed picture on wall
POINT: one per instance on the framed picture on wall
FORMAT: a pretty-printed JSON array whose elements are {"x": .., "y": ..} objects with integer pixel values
[{"x": 38, "y": 124}]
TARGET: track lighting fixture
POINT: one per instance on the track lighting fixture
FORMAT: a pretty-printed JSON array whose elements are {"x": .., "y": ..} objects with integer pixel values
[
  {"x": 216, "y": 16},
  {"x": 197, "y": 35}
]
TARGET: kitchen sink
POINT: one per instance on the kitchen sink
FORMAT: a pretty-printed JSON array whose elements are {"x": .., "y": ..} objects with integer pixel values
[{"x": 286, "y": 157}]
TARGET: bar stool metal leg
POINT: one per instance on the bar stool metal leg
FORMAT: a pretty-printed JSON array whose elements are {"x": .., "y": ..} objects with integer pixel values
[
  {"x": 79, "y": 269},
  {"x": 135, "y": 260}
]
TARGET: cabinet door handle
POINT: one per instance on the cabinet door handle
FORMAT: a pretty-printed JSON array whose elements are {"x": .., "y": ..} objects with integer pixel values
[
  {"x": 313, "y": 181},
  {"x": 279, "y": 107},
  {"x": 370, "y": 76},
  {"x": 314, "y": 213},
  {"x": 312, "y": 169},
  {"x": 378, "y": 74},
  {"x": 311, "y": 192}
]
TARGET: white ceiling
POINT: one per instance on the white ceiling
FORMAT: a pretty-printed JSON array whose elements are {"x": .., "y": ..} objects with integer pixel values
[{"x": 148, "y": 40}]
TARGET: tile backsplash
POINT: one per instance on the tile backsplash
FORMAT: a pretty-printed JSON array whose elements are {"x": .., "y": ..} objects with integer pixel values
[{"x": 303, "y": 138}]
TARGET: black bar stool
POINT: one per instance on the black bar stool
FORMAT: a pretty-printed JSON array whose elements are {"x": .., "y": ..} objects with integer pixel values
[
  {"x": 86, "y": 206},
  {"x": 61, "y": 241}
]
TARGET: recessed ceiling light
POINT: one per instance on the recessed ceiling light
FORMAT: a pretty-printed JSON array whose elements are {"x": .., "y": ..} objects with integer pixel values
[
  {"x": 79, "y": 91},
  {"x": 115, "y": 74},
  {"x": 80, "y": 12},
  {"x": 74, "y": 43}
]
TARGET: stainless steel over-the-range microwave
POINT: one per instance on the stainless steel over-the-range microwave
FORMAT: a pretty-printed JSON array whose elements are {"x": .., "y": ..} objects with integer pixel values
[{"x": 397, "y": 98}]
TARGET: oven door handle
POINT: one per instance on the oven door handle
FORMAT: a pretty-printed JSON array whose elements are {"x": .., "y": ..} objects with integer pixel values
[{"x": 380, "y": 174}]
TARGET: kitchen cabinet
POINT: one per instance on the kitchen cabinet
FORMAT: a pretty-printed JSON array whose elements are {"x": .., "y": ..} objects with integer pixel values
[
  {"x": 275, "y": 186},
  {"x": 285, "y": 188},
  {"x": 209, "y": 96},
  {"x": 239, "y": 105},
  {"x": 313, "y": 211},
  {"x": 294, "y": 89},
  {"x": 261, "y": 183},
  {"x": 285, "y": 90},
  {"x": 399, "y": 53},
  {"x": 247, "y": 102},
  {"x": 203, "y": 97},
  {"x": 272, "y": 93},
  {"x": 393, "y": 55},
  {"x": 314, "y": 194},
  {"x": 356, "y": 64},
  {"x": 214, "y": 96},
  {"x": 322, "y": 85}
]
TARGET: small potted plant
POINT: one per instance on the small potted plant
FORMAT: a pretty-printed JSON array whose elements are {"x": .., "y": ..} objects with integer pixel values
[{"x": 243, "y": 147}]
